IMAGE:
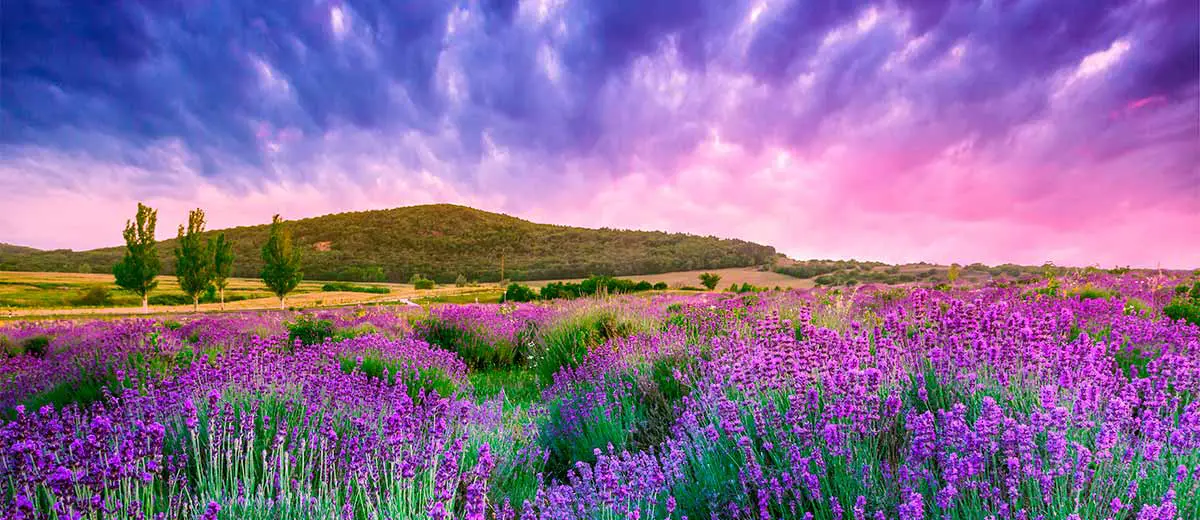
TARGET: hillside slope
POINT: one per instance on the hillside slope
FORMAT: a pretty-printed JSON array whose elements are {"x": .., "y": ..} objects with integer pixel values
[{"x": 440, "y": 241}]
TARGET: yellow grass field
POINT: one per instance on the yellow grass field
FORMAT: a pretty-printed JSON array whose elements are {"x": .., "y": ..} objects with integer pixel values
[
  {"x": 30, "y": 294},
  {"x": 738, "y": 275}
]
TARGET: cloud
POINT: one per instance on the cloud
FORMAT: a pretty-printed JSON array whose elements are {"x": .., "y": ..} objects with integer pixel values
[{"x": 902, "y": 129}]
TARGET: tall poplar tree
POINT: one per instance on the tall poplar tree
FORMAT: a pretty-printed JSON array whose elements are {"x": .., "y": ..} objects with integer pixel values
[
  {"x": 222, "y": 251},
  {"x": 137, "y": 270},
  {"x": 193, "y": 259},
  {"x": 281, "y": 269}
]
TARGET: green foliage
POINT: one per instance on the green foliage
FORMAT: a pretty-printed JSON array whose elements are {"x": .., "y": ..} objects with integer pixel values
[
  {"x": 420, "y": 282},
  {"x": 10, "y": 348},
  {"x": 747, "y": 288},
  {"x": 1183, "y": 309},
  {"x": 1138, "y": 306},
  {"x": 356, "y": 273},
  {"x": 36, "y": 346},
  {"x": 593, "y": 285},
  {"x": 95, "y": 296},
  {"x": 281, "y": 261},
  {"x": 1132, "y": 361},
  {"x": 418, "y": 382},
  {"x": 1091, "y": 292},
  {"x": 222, "y": 263},
  {"x": 815, "y": 268},
  {"x": 660, "y": 286},
  {"x": 443, "y": 241},
  {"x": 193, "y": 258},
  {"x": 630, "y": 410},
  {"x": 354, "y": 332},
  {"x": 588, "y": 418},
  {"x": 519, "y": 387},
  {"x": 953, "y": 273},
  {"x": 710, "y": 280},
  {"x": 309, "y": 331},
  {"x": 349, "y": 287},
  {"x": 519, "y": 293},
  {"x": 137, "y": 270},
  {"x": 460, "y": 281},
  {"x": 566, "y": 341},
  {"x": 475, "y": 347}
]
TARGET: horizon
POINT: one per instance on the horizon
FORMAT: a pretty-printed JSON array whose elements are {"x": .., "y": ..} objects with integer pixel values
[{"x": 892, "y": 131}]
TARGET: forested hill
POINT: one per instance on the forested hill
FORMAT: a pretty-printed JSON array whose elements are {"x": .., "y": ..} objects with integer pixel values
[{"x": 440, "y": 241}]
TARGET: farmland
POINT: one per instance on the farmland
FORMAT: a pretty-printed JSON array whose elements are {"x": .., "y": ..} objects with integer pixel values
[
  {"x": 1073, "y": 398},
  {"x": 61, "y": 294}
]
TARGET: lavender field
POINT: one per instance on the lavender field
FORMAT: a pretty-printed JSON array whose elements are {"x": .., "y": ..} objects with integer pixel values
[{"x": 1069, "y": 400}]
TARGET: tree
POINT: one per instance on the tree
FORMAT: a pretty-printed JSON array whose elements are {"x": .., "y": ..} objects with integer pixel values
[
  {"x": 137, "y": 270},
  {"x": 953, "y": 273},
  {"x": 222, "y": 251},
  {"x": 193, "y": 258},
  {"x": 281, "y": 261},
  {"x": 710, "y": 280}
]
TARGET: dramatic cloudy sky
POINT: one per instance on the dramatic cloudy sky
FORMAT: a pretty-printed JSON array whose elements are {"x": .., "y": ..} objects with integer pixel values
[{"x": 942, "y": 130}]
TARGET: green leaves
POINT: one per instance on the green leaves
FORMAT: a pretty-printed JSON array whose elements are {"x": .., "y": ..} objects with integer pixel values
[
  {"x": 137, "y": 270},
  {"x": 223, "y": 256},
  {"x": 281, "y": 261},
  {"x": 193, "y": 257}
]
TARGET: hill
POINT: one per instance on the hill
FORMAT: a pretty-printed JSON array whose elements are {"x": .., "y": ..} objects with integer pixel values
[{"x": 440, "y": 241}]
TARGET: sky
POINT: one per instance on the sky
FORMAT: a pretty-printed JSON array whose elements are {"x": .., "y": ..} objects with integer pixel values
[{"x": 997, "y": 131}]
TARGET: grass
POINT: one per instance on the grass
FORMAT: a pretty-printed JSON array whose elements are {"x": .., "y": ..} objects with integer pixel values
[
  {"x": 520, "y": 387},
  {"x": 349, "y": 287},
  {"x": 480, "y": 296},
  {"x": 62, "y": 290}
]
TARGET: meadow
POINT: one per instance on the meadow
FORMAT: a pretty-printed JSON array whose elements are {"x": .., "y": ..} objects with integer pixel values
[{"x": 1072, "y": 398}]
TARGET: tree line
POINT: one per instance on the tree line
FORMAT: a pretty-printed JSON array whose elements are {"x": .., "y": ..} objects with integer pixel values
[{"x": 201, "y": 265}]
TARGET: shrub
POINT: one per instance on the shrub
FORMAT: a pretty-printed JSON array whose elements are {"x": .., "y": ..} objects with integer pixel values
[
  {"x": 519, "y": 293},
  {"x": 421, "y": 283},
  {"x": 556, "y": 290},
  {"x": 475, "y": 348},
  {"x": 9, "y": 347},
  {"x": 417, "y": 381},
  {"x": 567, "y": 341},
  {"x": 1180, "y": 309},
  {"x": 309, "y": 331},
  {"x": 349, "y": 287},
  {"x": 660, "y": 286},
  {"x": 95, "y": 296},
  {"x": 170, "y": 299},
  {"x": 460, "y": 281},
  {"x": 172, "y": 325},
  {"x": 588, "y": 418},
  {"x": 710, "y": 280},
  {"x": 36, "y": 346}
]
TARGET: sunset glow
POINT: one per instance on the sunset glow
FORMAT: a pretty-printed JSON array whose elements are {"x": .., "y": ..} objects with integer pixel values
[{"x": 1025, "y": 132}]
